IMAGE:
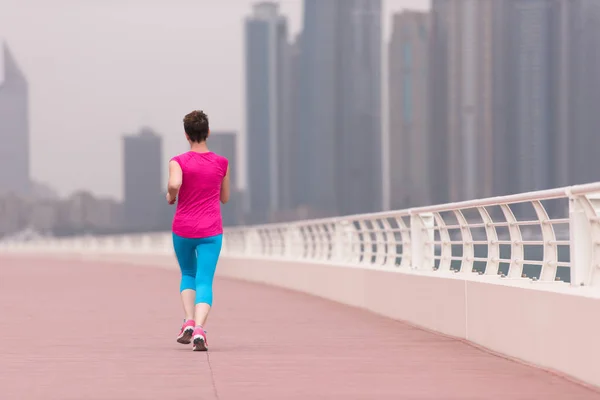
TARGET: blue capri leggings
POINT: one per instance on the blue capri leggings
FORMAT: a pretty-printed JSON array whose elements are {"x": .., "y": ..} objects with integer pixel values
[{"x": 198, "y": 260}]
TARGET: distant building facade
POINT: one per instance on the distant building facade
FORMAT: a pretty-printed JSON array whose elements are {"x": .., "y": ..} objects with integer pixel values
[
  {"x": 473, "y": 121},
  {"x": 359, "y": 160},
  {"x": 340, "y": 106},
  {"x": 266, "y": 124},
  {"x": 577, "y": 138},
  {"x": 226, "y": 145},
  {"x": 464, "y": 61},
  {"x": 14, "y": 125},
  {"x": 408, "y": 150},
  {"x": 532, "y": 93},
  {"x": 143, "y": 184}
]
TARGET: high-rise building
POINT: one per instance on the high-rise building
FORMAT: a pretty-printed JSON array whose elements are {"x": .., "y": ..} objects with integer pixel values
[
  {"x": 556, "y": 47},
  {"x": 226, "y": 145},
  {"x": 438, "y": 103},
  {"x": 409, "y": 107},
  {"x": 533, "y": 97},
  {"x": 563, "y": 107},
  {"x": 577, "y": 140},
  {"x": 358, "y": 138},
  {"x": 470, "y": 69},
  {"x": 468, "y": 79},
  {"x": 539, "y": 98},
  {"x": 143, "y": 184},
  {"x": 317, "y": 106},
  {"x": 298, "y": 158},
  {"x": 14, "y": 125},
  {"x": 514, "y": 89},
  {"x": 340, "y": 105},
  {"x": 589, "y": 91},
  {"x": 287, "y": 141},
  {"x": 266, "y": 111},
  {"x": 505, "y": 165}
]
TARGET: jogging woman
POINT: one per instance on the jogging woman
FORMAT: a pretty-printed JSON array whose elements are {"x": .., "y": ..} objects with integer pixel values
[{"x": 198, "y": 181}]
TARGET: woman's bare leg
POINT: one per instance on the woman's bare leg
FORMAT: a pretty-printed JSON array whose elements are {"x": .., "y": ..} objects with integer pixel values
[
  {"x": 202, "y": 310},
  {"x": 188, "y": 298}
]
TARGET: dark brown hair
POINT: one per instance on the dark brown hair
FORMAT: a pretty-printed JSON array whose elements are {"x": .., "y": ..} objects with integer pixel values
[{"x": 196, "y": 127}]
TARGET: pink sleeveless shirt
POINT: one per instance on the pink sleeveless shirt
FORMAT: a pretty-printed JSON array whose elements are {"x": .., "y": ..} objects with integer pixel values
[{"x": 198, "y": 213}]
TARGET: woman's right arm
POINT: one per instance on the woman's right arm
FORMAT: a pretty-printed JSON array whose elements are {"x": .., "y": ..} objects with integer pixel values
[
  {"x": 225, "y": 188},
  {"x": 175, "y": 181}
]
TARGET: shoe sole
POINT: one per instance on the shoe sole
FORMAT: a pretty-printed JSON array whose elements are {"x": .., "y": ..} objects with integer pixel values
[
  {"x": 200, "y": 344},
  {"x": 186, "y": 336}
]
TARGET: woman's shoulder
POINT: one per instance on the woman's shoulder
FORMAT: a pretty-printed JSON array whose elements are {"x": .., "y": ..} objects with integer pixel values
[
  {"x": 181, "y": 157},
  {"x": 220, "y": 159}
]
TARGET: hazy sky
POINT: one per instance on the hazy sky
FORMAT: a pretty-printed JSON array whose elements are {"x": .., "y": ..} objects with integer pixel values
[{"x": 101, "y": 68}]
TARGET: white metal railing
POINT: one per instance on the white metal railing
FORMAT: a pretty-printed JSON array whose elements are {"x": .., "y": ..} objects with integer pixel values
[{"x": 546, "y": 236}]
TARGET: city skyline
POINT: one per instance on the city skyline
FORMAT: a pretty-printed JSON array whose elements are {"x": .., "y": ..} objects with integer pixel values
[
  {"x": 477, "y": 90},
  {"x": 90, "y": 85},
  {"x": 483, "y": 98}
]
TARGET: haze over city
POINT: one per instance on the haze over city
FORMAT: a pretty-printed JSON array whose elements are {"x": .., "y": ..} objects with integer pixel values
[
  {"x": 323, "y": 107},
  {"x": 100, "y": 69}
]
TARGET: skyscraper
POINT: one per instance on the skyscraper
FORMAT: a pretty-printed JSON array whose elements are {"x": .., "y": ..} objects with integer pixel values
[
  {"x": 539, "y": 96},
  {"x": 317, "y": 105},
  {"x": 14, "y": 125},
  {"x": 298, "y": 184},
  {"x": 577, "y": 140},
  {"x": 514, "y": 92},
  {"x": 226, "y": 145},
  {"x": 505, "y": 165},
  {"x": 409, "y": 102},
  {"x": 562, "y": 85},
  {"x": 438, "y": 103},
  {"x": 468, "y": 51},
  {"x": 533, "y": 66},
  {"x": 557, "y": 89},
  {"x": 588, "y": 91},
  {"x": 470, "y": 69},
  {"x": 267, "y": 128},
  {"x": 358, "y": 135},
  {"x": 341, "y": 105},
  {"x": 143, "y": 184}
]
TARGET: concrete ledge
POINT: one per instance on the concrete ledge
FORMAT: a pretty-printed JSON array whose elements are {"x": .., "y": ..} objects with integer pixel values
[
  {"x": 556, "y": 331},
  {"x": 550, "y": 329}
]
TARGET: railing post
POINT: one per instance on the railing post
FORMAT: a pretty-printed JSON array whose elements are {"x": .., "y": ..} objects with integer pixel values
[
  {"x": 340, "y": 241},
  {"x": 287, "y": 241},
  {"x": 584, "y": 238},
  {"x": 255, "y": 244},
  {"x": 422, "y": 235}
]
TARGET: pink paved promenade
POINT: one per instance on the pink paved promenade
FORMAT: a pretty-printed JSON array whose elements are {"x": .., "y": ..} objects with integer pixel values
[{"x": 95, "y": 331}]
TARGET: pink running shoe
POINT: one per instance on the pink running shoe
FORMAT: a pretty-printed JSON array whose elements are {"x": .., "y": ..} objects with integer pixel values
[
  {"x": 187, "y": 331},
  {"x": 200, "y": 343}
]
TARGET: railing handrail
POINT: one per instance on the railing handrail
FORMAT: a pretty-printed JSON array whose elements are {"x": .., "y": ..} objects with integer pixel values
[{"x": 546, "y": 194}]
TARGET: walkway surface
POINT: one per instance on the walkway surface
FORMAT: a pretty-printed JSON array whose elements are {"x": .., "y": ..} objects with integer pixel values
[{"x": 94, "y": 331}]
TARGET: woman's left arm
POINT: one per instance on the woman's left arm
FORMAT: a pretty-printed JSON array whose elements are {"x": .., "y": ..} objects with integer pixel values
[
  {"x": 225, "y": 188},
  {"x": 175, "y": 180}
]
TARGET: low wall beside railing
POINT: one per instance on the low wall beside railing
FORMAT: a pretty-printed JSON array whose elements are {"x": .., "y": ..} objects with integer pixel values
[{"x": 519, "y": 275}]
